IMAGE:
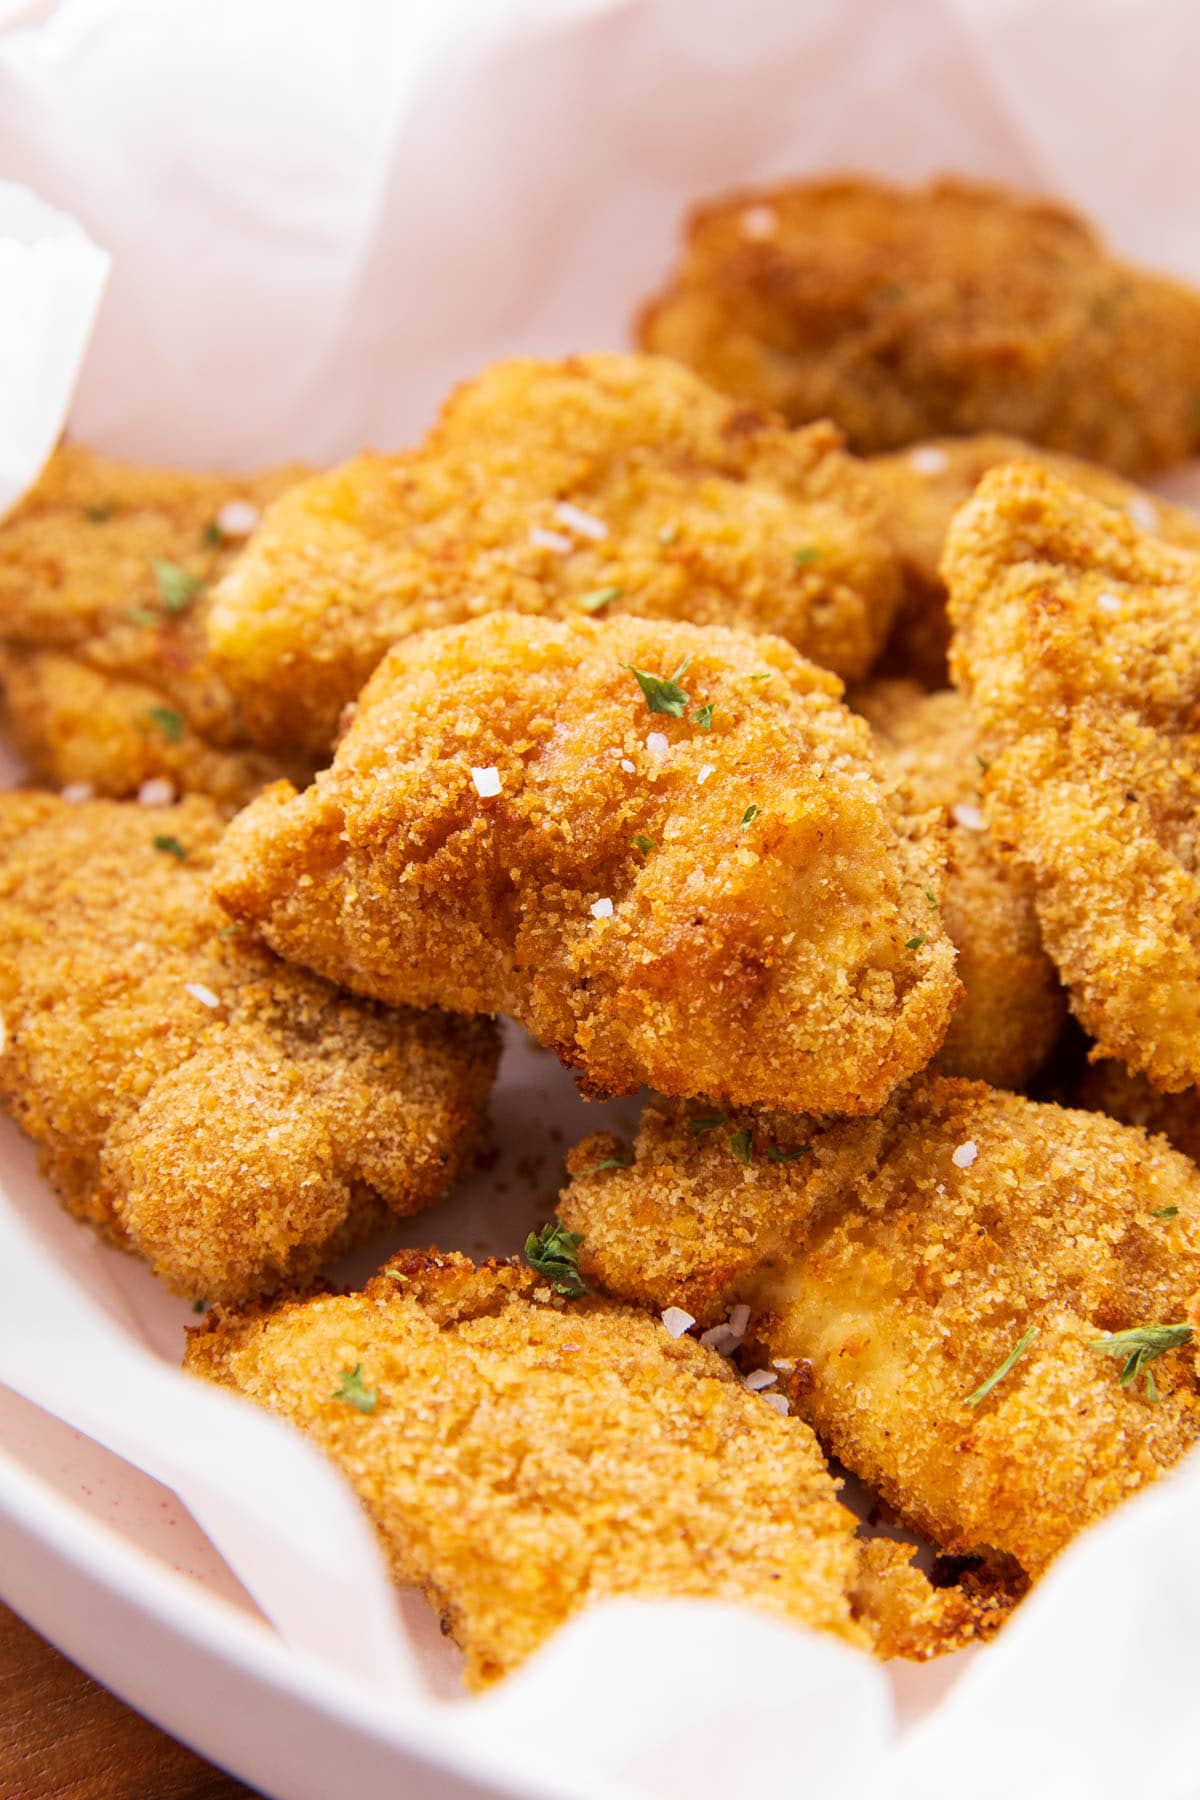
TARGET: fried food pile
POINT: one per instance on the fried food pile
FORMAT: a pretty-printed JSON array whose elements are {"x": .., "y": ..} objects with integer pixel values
[
  {"x": 910, "y": 973},
  {"x": 907, "y": 313}
]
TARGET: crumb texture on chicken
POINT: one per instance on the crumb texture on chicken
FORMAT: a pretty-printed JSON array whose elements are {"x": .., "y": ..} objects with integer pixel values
[
  {"x": 727, "y": 902},
  {"x": 522, "y": 1456},
  {"x": 1076, "y": 640},
  {"x": 609, "y": 481},
  {"x": 968, "y": 1219},
  {"x": 228, "y": 1118},
  {"x": 1012, "y": 1007},
  {"x": 105, "y": 573},
  {"x": 908, "y": 313}
]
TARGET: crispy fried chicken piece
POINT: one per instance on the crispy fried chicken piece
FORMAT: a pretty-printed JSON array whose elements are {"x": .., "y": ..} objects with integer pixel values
[
  {"x": 1079, "y": 644},
  {"x": 927, "y": 483},
  {"x": 105, "y": 570},
  {"x": 1108, "y": 1088},
  {"x": 1012, "y": 1009},
  {"x": 523, "y": 1456},
  {"x": 619, "y": 482},
  {"x": 904, "y": 313},
  {"x": 232, "y": 1120},
  {"x": 894, "y": 1267},
  {"x": 718, "y": 903}
]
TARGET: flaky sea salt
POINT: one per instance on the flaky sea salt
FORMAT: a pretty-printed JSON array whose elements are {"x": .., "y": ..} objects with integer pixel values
[
  {"x": 602, "y": 909},
  {"x": 629, "y": 768},
  {"x": 721, "y": 1339},
  {"x": 550, "y": 540},
  {"x": 76, "y": 792},
  {"x": 156, "y": 792},
  {"x": 778, "y": 1401},
  {"x": 739, "y": 1318},
  {"x": 1108, "y": 603},
  {"x": 759, "y": 222},
  {"x": 965, "y": 1155},
  {"x": 237, "y": 518},
  {"x": 927, "y": 459},
  {"x": 487, "y": 783},
  {"x": 704, "y": 774},
  {"x": 199, "y": 992},
  {"x": 677, "y": 1321},
  {"x": 1143, "y": 512},
  {"x": 758, "y": 1379},
  {"x": 585, "y": 523},
  {"x": 969, "y": 817},
  {"x": 657, "y": 744}
]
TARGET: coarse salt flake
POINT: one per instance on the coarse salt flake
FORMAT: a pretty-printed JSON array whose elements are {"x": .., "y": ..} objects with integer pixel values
[
  {"x": 704, "y": 774},
  {"x": 779, "y": 1402},
  {"x": 657, "y": 744},
  {"x": 550, "y": 540},
  {"x": 76, "y": 792},
  {"x": 739, "y": 1318},
  {"x": 1143, "y": 512},
  {"x": 199, "y": 992},
  {"x": 721, "y": 1339},
  {"x": 237, "y": 518},
  {"x": 156, "y": 792},
  {"x": 759, "y": 222},
  {"x": 758, "y": 1379},
  {"x": 585, "y": 523},
  {"x": 487, "y": 783},
  {"x": 629, "y": 768},
  {"x": 969, "y": 817},
  {"x": 965, "y": 1155},
  {"x": 927, "y": 459},
  {"x": 1108, "y": 603},
  {"x": 677, "y": 1321},
  {"x": 602, "y": 909}
]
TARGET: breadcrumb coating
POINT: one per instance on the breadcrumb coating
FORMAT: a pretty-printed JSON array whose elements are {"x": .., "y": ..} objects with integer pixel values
[
  {"x": 925, "y": 485},
  {"x": 983, "y": 1216},
  {"x": 231, "y": 1120},
  {"x": 543, "y": 486},
  {"x": 524, "y": 1456},
  {"x": 104, "y": 667},
  {"x": 1012, "y": 1008},
  {"x": 1076, "y": 639},
  {"x": 905, "y": 313},
  {"x": 1108, "y": 1088},
  {"x": 728, "y": 903}
]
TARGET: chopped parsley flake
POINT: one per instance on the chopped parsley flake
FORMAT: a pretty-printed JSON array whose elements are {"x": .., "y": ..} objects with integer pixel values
[
  {"x": 742, "y": 1146},
  {"x": 171, "y": 846},
  {"x": 765, "y": 676},
  {"x": 1165, "y": 1212},
  {"x": 598, "y": 598},
  {"x": 230, "y": 930},
  {"x": 932, "y": 898},
  {"x": 353, "y": 1391},
  {"x": 141, "y": 615},
  {"x": 775, "y": 1154},
  {"x": 914, "y": 943},
  {"x": 748, "y": 817},
  {"x": 199, "y": 1306},
  {"x": 663, "y": 692},
  {"x": 611, "y": 1162},
  {"x": 1014, "y": 1356},
  {"x": 176, "y": 588},
  {"x": 698, "y": 1127},
  {"x": 169, "y": 722},
  {"x": 100, "y": 515},
  {"x": 806, "y": 556},
  {"x": 554, "y": 1253},
  {"x": 211, "y": 536},
  {"x": 644, "y": 844},
  {"x": 703, "y": 716},
  {"x": 983, "y": 762},
  {"x": 1140, "y": 1346}
]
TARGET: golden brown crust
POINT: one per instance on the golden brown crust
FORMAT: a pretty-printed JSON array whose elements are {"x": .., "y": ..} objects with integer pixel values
[
  {"x": 758, "y": 946},
  {"x": 103, "y": 683},
  {"x": 953, "y": 308},
  {"x": 693, "y": 509},
  {"x": 1012, "y": 1007},
  {"x": 970, "y": 1216},
  {"x": 1108, "y": 1088},
  {"x": 1076, "y": 640},
  {"x": 925, "y": 484},
  {"x": 526, "y": 1456},
  {"x": 233, "y": 1145}
]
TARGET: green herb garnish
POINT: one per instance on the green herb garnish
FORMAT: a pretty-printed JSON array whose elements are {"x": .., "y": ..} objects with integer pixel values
[
  {"x": 932, "y": 898},
  {"x": 742, "y": 1146},
  {"x": 554, "y": 1253},
  {"x": 199, "y": 1306},
  {"x": 100, "y": 515},
  {"x": 141, "y": 615},
  {"x": 775, "y": 1154},
  {"x": 211, "y": 537},
  {"x": 805, "y": 556},
  {"x": 914, "y": 943},
  {"x": 599, "y": 597},
  {"x": 1165, "y": 1212},
  {"x": 748, "y": 817},
  {"x": 703, "y": 716},
  {"x": 176, "y": 588},
  {"x": 354, "y": 1393},
  {"x": 698, "y": 1127},
  {"x": 765, "y": 676},
  {"x": 169, "y": 722},
  {"x": 171, "y": 846},
  {"x": 611, "y": 1162},
  {"x": 644, "y": 844},
  {"x": 1140, "y": 1346},
  {"x": 663, "y": 692},
  {"x": 1014, "y": 1356}
]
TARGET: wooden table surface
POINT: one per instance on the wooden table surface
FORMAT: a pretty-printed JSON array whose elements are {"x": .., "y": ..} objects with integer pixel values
[{"x": 64, "y": 1738}]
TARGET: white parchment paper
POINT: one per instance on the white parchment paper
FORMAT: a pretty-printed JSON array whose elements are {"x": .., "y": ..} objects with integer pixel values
[{"x": 319, "y": 216}]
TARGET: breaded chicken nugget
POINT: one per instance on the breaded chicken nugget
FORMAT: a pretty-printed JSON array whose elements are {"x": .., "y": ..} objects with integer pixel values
[
  {"x": 523, "y": 1456},
  {"x": 990, "y": 1325},
  {"x": 105, "y": 570},
  {"x": 704, "y": 888},
  {"x": 615, "y": 483},
  {"x": 1012, "y": 1008},
  {"x": 232, "y": 1120},
  {"x": 1078, "y": 641},
  {"x": 926, "y": 484},
  {"x": 1108, "y": 1088},
  {"x": 958, "y": 307}
]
